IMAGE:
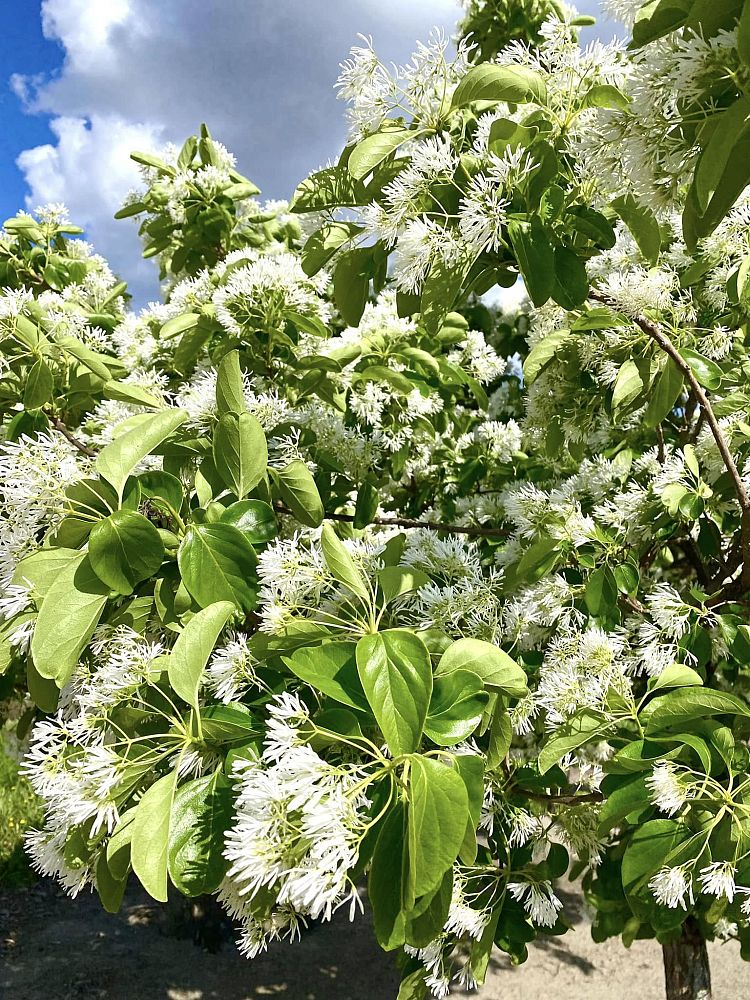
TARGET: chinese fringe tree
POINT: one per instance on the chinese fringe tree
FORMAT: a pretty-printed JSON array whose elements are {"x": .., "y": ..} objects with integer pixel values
[{"x": 322, "y": 573}]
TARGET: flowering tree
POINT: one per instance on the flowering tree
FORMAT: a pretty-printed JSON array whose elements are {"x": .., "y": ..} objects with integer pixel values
[{"x": 321, "y": 571}]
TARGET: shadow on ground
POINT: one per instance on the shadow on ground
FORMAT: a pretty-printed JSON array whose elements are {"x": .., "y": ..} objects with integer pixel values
[{"x": 54, "y": 948}]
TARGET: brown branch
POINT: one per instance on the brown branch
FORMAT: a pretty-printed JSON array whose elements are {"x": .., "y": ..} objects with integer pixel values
[
  {"x": 659, "y": 337},
  {"x": 567, "y": 800},
  {"x": 84, "y": 449},
  {"x": 660, "y": 454},
  {"x": 409, "y": 522}
]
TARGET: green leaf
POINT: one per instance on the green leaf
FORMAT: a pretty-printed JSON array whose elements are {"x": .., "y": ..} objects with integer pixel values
[
  {"x": 110, "y": 889},
  {"x": 118, "y": 845},
  {"x": 342, "y": 565},
  {"x": 385, "y": 885},
  {"x": 631, "y": 794},
  {"x": 39, "y": 386},
  {"x": 471, "y": 768},
  {"x": 677, "y": 675},
  {"x": 707, "y": 372},
  {"x": 230, "y": 385},
  {"x": 657, "y": 18},
  {"x": 489, "y": 82},
  {"x": 649, "y": 850},
  {"x": 437, "y": 818},
  {"x": 571, "y": 285},
  {"x": 228, "y": 723},
  {"x": 150, "y": 837},
  {"x": 125, "y": 548},
  {"x": 495, "y": 668},
  {"x": 604, "y": 95},
  {"x": 731, "y": 126},
  {"x": 217, "y": 563},
  {"x": 201, "y": 814},
  {"x": 627, "y": 578},
  {"x": 43, "y": 692},
  {"x": 40, "y": 570},
  {"x": 395, "y": 581},
  {"x": 663, "y": 395},
  {"x": 254, "y": 518},
  {"x": 124, "y": 392},
  {"x": 366, "y": 507},
  {"x": 299, "y": 492},
  {"x": 642, "y": 224},
  {"x": 324, "y": 243},
  {"x": 69, "y": 614},
  {"x": 535, "y": 256},
  {"x": 456, "y": 706},
  {"x": 331, "y": 187},
  {"x": 240, "y": 452},
  {"x": 628, "y": 388},
  {"x": 542, "y": 353},
  {"x": 427, "y": 919},
  {"x": 332, "y": 669},
  {"x": 733, "y": 182},
  {"x": 158, "y": 485},
  {"x": 441, "y": 289},
  {"x": 688, "y": 703},
  {"x": 601, "y": 592},
  {"x": 394, "y": 667},
  {"x": 583, "y": 727},
  {"x": 351, "y": 283},
  {"x": 372, "y": 150},
  {"x": 117, "y": 460},
  {"x": 193, "y": 647}
]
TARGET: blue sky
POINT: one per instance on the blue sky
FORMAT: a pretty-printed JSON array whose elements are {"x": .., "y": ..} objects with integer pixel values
[
  {"x": 23, "y": 49},
  {"x": 83, "y": 82}
]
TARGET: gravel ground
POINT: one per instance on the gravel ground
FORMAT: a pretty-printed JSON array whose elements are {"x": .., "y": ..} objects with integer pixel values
[{"x": 54, "y": 948}]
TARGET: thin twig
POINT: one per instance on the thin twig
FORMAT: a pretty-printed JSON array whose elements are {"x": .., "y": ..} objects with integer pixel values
[
  {"x": 563, "y": 799},
  {"x": 657, "y": 334},
  {"x": 409, "y": 522},
  {"x": 84, "y": 449}
]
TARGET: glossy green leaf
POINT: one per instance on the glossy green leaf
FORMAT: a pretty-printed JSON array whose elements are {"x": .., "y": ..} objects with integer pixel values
[
  {"x": 330, "y": 668},
  {"x": 542, "y": 353},
  {"x": 230, "y": 385},
  {"x": 601, "y": 592},
  {"x": 69, "y": 614},
  {"x": 217, "y": 563},
  {"x": 371, "y": 151},
  {"x": 351, "y": 283},
  {"x": 240, "y": 452},
  {"x": 497, "y": 670},
  {"x": 117, "y": 460},
  {"x": 395, "y": 671},
  {"x": 642, "y": 224},
  {"x": 125, "y": 548},
  {"x": 385, "y": 885},
  {"x": 490, "y": 82},
  {"x": 201, "y": 814},
  {"x": 150, "y": 836},
  {"x": 254, "y": 518},
  {"x": 535, "y": 256},
  {"x": 194, "y": 646},
  {"x": 456, "y": 706},
  {"x": 39, "y": 385},
  {"x": 342, "y": 565},
  {"x": 437, "y": 818},
  {"x": 581, "y": 728},
  {"x": 300, "y": 494}
]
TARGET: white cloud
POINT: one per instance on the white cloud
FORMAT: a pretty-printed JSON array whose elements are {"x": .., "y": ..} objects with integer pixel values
[
  {"x": 89, "y": 169},
  {"x": 137, "y": 73}
]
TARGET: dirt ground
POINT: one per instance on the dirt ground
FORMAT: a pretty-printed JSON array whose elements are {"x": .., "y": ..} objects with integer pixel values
[{"x": 54, "y": 948}]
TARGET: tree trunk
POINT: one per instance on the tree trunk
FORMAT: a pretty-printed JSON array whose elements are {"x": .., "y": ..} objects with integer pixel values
[{"x": 686, "y": 971}]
